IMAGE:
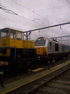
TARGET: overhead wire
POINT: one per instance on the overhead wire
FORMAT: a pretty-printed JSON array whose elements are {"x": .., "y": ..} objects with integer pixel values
[
  {"x": 59, "y": 14},
  {"x": 36, "y": 13},
  {"x": 63, "y": 13},
  {"x": 29, "y": 10},
  {"x": 29, "y": 19},
  {"x": 68, "y": 1},
  {"x": 51, "y": 8},
  {"x": 12, "y": 12},
  {"x": 7, "y": 10}
]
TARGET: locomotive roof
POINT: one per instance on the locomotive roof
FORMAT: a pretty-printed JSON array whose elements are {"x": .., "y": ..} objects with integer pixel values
[
  {"x": 4, "y": 29},
  {"x": 45, "y": 38}
]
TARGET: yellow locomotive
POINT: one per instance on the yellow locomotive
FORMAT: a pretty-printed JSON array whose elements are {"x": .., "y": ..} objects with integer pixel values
[{"x": 13, "y": 48}]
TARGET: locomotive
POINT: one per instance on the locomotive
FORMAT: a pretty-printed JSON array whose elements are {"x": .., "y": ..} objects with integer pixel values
[
  {"x": 50, "y": 49},
  {"x": 15, "y": 51}
]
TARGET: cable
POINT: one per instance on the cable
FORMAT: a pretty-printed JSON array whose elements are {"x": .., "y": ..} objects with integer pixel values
[
  {"x": 29, "y": 19},
  {"x": 7, "y": 10},
  {"x": 36, "y": 13},
  {"x": 51, "y": 8},
  {"x": 59, "y": 14},
  {"x": 28, "y": 9},
  {"x": 12, "y": 12},
  {"x": 47, "y": 27},
  {"x": 68, "y": 1},
  {"x": 21, "y": 5}
]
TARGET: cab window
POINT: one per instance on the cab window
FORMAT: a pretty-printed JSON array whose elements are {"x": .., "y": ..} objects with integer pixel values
[
  {"x": 4, "y": 33},
  {"x": 40, "y": 43},
  {"x": 50, "y": 45},
  {"x": 12, "y": 34},
  {"x": 56, "y": 47},
  {"x": 19, "y": 35}
]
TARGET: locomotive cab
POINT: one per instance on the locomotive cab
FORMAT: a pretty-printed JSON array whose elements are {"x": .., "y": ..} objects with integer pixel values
[
  {"x": 4, "y": 38},
  {"x": 10, "y": 38}
]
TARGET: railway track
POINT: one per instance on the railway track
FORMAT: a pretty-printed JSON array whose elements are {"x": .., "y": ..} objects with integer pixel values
[
  {"x": 55, "y": 83},
  {"x": 55, "y": 87},
  {"x": 21, "y": 70},
  {"x": 58, "y": 85}
]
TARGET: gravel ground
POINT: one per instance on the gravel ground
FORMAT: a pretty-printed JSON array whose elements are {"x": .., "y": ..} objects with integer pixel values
[{"x": 65, "y": 76}]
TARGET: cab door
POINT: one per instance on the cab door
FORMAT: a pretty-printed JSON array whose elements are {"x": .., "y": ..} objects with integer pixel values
[
  {"x": 12, "y": 38},
  {"x": 19, "y": 41}
]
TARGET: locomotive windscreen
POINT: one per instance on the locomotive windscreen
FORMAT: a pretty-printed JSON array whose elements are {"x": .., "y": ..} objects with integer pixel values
[
  {"x": 40, "y": 43},
  {"x": 4, "y": 33}
]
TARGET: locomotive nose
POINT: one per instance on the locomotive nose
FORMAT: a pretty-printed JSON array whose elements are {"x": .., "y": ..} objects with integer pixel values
[{"x": 41, "y": 50}]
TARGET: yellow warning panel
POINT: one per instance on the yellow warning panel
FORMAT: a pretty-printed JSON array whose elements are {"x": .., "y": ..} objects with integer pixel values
[
  {"x": 36, "y": 70},
  {"x": 3, "y": 63}
]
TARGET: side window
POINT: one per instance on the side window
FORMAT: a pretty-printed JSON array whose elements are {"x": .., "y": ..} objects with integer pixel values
[
  {"x": 19, "y": 36},
  {"x": 4, "y": 33},
  {"x": 50, "y": 45},
  {"x": 56, "y": 47},
  {"x": 12, "y": 34},
  {"x": 63, "y": 48}
]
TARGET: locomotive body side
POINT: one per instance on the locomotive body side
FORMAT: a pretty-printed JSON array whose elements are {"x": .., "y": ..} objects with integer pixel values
[
  {"x": 49, "y": 49},
  {"x": 57, "y": 49}
]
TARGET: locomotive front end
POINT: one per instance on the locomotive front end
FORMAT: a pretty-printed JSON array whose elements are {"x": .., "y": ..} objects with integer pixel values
[
  {"x": 41, "y": 48},
  {"x": 4, "y": 46}
]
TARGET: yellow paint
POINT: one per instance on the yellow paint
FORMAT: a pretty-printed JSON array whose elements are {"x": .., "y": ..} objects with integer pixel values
[
  {"x": 5, "y": 41},
  {"x": 0, "y": 42},
  {"x": 8, "y": 42},
  {"x": 36, "y": 70},
  {"x": 16, "y": 43},
  {"x": 28, "y": 44},
  {"x": 41, "y": 50},
  {"x": 20, "y": 43},
  {"x": 3, "y": 63},
  {"x": 6, "y": 63},
  {"x": 7, "y": 53}
]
